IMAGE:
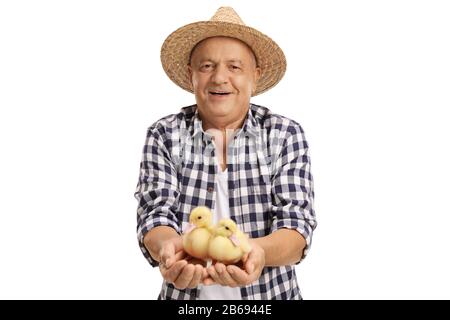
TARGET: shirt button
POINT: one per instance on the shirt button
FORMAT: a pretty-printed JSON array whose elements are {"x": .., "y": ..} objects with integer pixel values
[{"x": 210, "y": 189}]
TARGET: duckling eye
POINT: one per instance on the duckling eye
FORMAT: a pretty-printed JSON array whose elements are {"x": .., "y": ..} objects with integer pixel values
[
  {"x": 227, "y": 228},
  {"x": 199, "y": 218}
]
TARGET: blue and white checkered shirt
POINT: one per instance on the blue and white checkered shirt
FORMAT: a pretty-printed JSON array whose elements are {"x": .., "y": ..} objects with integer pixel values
[{"x": 269, "y": 181}]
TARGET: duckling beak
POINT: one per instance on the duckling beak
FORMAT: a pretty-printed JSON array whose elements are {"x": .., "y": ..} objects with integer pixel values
[
  {"x": 189, "y": 228},
  {"x": 235, "y": 240}
]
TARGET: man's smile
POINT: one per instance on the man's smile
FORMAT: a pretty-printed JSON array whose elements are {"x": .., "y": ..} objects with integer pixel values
[
  {"x": 216, "y": 94},
  {"x": 219, "y": 92}
]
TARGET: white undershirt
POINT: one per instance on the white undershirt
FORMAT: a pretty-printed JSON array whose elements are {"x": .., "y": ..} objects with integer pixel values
[{"x": 222, "y": 210}]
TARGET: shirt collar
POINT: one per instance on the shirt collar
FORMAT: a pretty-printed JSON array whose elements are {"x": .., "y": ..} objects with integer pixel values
[{"x": 198, "y": 129}]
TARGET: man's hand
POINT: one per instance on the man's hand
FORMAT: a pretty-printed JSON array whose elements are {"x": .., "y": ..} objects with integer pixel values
[
  {"x": 178, "y": 268},
  {"x": 235, "y": 276}
]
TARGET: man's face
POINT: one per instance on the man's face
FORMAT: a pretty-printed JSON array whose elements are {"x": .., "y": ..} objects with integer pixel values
[{"x": 224, "y": 75}]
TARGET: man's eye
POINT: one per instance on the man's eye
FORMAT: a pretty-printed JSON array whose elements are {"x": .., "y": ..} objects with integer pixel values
[
  {"x": 235, "y": 67},
  {"x": 205, "y": 66}
]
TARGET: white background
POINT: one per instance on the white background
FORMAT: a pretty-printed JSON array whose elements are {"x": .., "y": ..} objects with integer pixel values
[{"x": 80, "y": 82}]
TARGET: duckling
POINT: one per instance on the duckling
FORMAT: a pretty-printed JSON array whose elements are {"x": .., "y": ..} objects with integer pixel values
[
  {"x": 228, "y": 244},
  {"x": 198, "y": 233}
]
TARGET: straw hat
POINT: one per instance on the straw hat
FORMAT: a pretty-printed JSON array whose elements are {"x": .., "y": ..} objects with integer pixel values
[{"x": 176, "y": 49}]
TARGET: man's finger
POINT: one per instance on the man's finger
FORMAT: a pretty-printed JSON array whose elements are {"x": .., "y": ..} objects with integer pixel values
[
  {"x": 206, "y": 278},
  {"x": 208, "y": 281},
  {"x": 239, "y": 276},
  {"x": 169, "y": 249},
  {"x": 185, "y": 277},
  {"x": 166, "y": 253},
  {"x": 214, "y": 275},
  {"x": 225, "y": 276},
  {"x": 250, "y": 267},
  {"x": 172, "y": 273},
  {"x": 197, "y": 277},
  {"x": 250, "y": 263},
  {"x": 180, "y": 255}
]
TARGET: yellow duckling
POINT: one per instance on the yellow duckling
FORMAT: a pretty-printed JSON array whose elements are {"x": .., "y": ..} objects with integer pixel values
[
  {"x": 229, "y": 244},
  {"x": 196, "y": 236}
]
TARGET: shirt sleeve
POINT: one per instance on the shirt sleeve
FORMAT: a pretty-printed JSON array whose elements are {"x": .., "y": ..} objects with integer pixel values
[
  {"x": 157, "y": 190},
  {"x": 292, "y": 188}
]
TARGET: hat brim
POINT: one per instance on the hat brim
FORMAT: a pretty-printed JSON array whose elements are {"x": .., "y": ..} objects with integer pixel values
[{"x": 176, "y": 50}]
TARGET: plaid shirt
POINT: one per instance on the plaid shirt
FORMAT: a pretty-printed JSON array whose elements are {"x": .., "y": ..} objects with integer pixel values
[{"x": 269, "y": 181}]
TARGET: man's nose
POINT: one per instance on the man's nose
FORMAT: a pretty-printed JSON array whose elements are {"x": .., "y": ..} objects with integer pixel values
[{"x": 220, "y": 75}]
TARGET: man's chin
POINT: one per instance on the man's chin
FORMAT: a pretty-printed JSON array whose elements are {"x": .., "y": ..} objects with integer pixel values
[{"x": 220, "y": 109}]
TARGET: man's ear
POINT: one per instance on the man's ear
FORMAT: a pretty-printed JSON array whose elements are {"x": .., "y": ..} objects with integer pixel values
[
  {"x": 190, "y": 73},
  {"x": 257, "y": 75}
]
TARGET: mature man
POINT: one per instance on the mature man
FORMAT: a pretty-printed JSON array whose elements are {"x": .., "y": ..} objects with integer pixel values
[{"x": 234, "y": 157}]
